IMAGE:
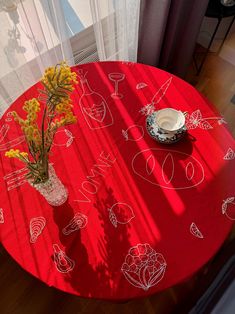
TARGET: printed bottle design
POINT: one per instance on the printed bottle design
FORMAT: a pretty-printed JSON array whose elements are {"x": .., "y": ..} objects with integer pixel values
[{"x": 94, "y": 107}]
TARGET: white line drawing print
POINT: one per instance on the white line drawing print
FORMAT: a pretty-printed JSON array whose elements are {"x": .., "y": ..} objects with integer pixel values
[
  {"x": 143, "y": 266},
  {"x": 141, "y": 85},
  {"x": 116, "y": 78},
  {"x": 12, "y": 143},
  {"x": 79, "y": 221},
  {"x": 147, "y": 110},
  {"x": 136, "y": 130},
  {"x": 15, "y": 178},
  {"x": 1, "y": 216},
  {"x": 166, "y": 167},
  {"x": 189, "y": 171},
  {"x": 195, "y": 120},
  {"x": 195, "y": 231},
  {"x": 9, "y": 117},
  {"x": 161, "y": 92},
  {"x": 67, "y": 141},
  {"x": 228, "y": 208},
  {"x": 150, "y": 164},
  {"x": 168, "y": 159},
  {"x": 157, "y": 97},
  {"x": 230, "y": 154},
  {"x": 3, "y": 131},
  {"x": 128, "y": 63},
  {"x": 121, "y": 213},
  {"x": 93, "y": 106},
  {"x": 62, "y": 262},
  {"x": 36, "y": 227}
]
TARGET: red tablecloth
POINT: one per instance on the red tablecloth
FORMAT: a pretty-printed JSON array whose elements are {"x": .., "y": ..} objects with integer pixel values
[{"x": 145, "y": 215}]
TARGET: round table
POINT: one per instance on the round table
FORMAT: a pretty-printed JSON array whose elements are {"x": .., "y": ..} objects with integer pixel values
[{"x": 141, "y": 216}]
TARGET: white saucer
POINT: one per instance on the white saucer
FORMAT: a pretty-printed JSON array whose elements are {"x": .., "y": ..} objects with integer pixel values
[{"x": 159, "y": 135}]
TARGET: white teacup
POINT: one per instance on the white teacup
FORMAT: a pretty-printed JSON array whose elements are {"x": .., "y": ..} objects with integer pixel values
[{"x": 170, "y": 120}]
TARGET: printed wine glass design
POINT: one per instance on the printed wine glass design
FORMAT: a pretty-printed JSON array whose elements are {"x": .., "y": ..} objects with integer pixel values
[{"x": 116, "y": 78}]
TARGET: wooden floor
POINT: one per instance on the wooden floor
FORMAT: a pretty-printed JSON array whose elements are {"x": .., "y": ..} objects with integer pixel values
[{"x": 20, "y": 293}]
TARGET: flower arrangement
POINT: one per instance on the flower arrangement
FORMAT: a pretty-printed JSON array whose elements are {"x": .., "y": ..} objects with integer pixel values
[{"x": 45, "y": 114}]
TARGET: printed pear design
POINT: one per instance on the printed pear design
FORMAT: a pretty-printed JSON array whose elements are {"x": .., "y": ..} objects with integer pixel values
[
  {"x": 36, "y": 227},
  {"x": 228, "y": 208},
  {"x": 62, "y": 262},
  {"x": 120, "y": 213}
]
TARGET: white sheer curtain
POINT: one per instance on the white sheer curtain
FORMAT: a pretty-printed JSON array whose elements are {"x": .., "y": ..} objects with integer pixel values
[
  {"x": 116, "y": 33},
  {"x": 33, "y": 35}
]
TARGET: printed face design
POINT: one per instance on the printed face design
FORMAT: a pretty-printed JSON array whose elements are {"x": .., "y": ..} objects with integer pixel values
[{"x": 168, "y": 168}]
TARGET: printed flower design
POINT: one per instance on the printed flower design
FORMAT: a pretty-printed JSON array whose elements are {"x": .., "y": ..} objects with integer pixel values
[
  {"x": 195, "y": 120},
  {"x": 143, "y": 266},
  {"x": 147, "y": 110}
]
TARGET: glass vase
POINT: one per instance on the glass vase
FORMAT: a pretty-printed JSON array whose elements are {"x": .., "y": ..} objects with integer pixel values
[{"x": 53, "y": 189}]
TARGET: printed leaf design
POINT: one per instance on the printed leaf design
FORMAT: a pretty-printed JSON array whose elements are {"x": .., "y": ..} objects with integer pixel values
[
  {"x": 125, "y": 135},
  {"x": 150, "y": 164},
  {"x": 189, "y": 170},
  {"x": 67, "y": 141},
  {"x": 195, "y": 231},
  {"x": 133, "y": 281},
  {"x": 205, "y": 125},
  {"x": 112, "y": 218},
  {"x": 158, "y": 276},
  {"x": 195, "y": 116},
  {"x": 168, "y": 164},
  {"x": 191, "y": 126},
  {"x": 147, "y": 110}
]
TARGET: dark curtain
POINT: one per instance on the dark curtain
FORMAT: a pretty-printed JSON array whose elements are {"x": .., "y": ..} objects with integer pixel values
[{"x": 168, "y": 33}]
